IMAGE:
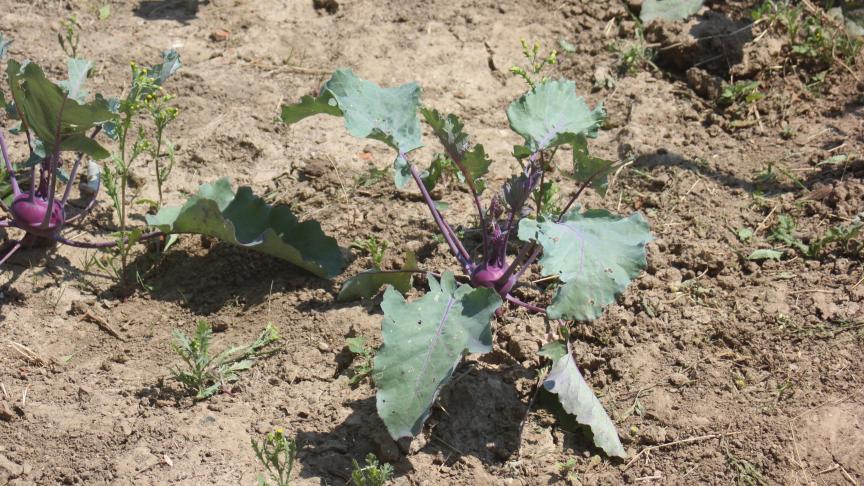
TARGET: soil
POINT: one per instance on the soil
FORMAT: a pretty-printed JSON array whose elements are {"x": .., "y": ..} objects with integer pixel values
[{"x": 716, "y": 369}]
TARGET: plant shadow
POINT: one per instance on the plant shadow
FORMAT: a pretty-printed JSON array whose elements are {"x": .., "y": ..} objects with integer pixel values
[
  {"x": 181, "y": 11},
  {"x": 233, "y": 276},
  {"x": 478, "y": 414},
  {"x": 768, "y": 182}
]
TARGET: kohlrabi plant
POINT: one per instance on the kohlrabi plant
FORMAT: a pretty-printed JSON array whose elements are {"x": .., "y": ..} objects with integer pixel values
[
  {"x": 588, "y": 256},
  {"x": 60, "y": 122}
]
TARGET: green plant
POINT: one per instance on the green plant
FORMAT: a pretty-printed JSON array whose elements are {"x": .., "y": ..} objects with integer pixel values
[
  {"x": 592, "y": 254},
  {"x": 635, "y": 55},
  {"x": 277, "y": 453},
  {"x": 376, "y": 248},
  {"x": 54, "y": 118},
  {"x": 813, "y": 38},
  {"x": 740, "y": 99},
  {"x": 363, "y": 369},
  {"x": 69, "y": 36},
  {"x": 536, "y": 63},
  {"x": 373, "y": 176},
  {"x": 142, "y": 98},
  {"x": 567, "y": 469},
  {"x": 372, "y": 474},
  {"x": 205, "y": 375},
  {"x": 841, "y": 237}
]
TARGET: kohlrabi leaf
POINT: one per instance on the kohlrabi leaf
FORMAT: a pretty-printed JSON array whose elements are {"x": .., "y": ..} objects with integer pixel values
[
  {"x": 169, "y": 65},
  {"x": 672, "y": 10},
  {"x": 309, "y": 106},
  {"x": 4, "y": 45},
  {"x": 553, "y": 350},
  {"x": 423, "y": 342},
  {"x": 551, "y": 114},
  {"x": 385, "y": 114},
  {"x": 246, "y": 220},
  {"x": 41, "y": 103},
  {"x": 74, "y": 86},
  {"x": 366, "y": 284},
  {"x": 449, "y": 131},
  {"x": 586, "y": 167},
  {"x": 578, "y": 399},
  {"x": 595, "y": 254}
]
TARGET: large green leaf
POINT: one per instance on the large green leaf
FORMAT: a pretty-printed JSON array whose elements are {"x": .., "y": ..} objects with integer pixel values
[
  {"x": 366, "y": 284},
  {"x": 672, "y": 10},
  {"x": 423, "y": 342},
  {"x": 551, "y": 114},
  {"x": 385, "y": 114},
  {"x": 246, "y": 220},
  {"x": 41, "y": 103},
  {"x": 449, "y": 131},
  {"x": 595, "y": 254},
  {"x": 578, "y": 400}
]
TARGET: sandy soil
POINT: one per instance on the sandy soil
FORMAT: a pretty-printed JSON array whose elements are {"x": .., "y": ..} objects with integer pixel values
[{"x": 716, "y": 369}]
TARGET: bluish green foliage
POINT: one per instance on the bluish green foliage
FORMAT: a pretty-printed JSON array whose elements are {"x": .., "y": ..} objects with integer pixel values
[
  {"x": 246, "y": 220},
  {"x": 424, "y": 340},
  {"x": 595, "y": 254},
  {"x": 41, "y": 104},
  {"x": 671, "y": 10},
  {"x": 576, "y": 397},
  {"x": 367, "y": 283},
  {"x": 552, "y": 114},
  {"x": 385, "y": 114}
]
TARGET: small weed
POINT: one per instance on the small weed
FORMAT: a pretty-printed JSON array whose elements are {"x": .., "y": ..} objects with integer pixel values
[
  {"x": 206, "y": 375},
  {"x": 373, "y": 176},
  {"x": 277, "y": 453},
  {"x": 363, "y": 369},
  {"x": 372, "y": 474},
  {"x": 536, "y": 63},
  {"x": 843, "y": 239},
  {"x": 69, "y": 36},
  {"x": 740, "y": 100},
  {"x": 634, "y": 56},
  {"x": 374, "y": 247},
  {"x": 567, "y": 469},
  {"x": 746, "y": 473},
  {"x": 813, "y": 38}
]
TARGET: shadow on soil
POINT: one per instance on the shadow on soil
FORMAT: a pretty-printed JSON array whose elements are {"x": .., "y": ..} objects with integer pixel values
[
  {"x": 181, "y": 11},
  {"x": 772, "y": 180},
  {"x": 227, "y": 275},
  {"x": 478, "y": 414}
]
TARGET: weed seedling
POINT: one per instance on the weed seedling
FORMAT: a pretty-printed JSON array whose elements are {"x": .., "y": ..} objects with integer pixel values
[
  {"x": 634, "y": 56},
  {"x": 536, "y": 63},
  {"x": 375, "y": 247},
  {"x": 277, "y": 453},
  {"x": 363, "y": 369},
  {"x": 205, "y": 374},
  {"x": 372, "y": 474},
  {"x": 69, "y": 36}
]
